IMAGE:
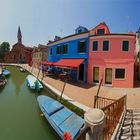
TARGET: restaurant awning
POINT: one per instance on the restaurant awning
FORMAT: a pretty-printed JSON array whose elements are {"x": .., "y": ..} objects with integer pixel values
[
  {"x": 47, "y": 63},
  {"x": 69, "y": 63}
]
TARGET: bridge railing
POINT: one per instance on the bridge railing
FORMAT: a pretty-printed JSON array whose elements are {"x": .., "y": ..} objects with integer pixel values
[{"x": 113, "y": 110}]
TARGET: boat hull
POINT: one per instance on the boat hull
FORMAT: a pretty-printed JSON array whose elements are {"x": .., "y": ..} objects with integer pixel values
[
  {"x": 60, "y": 118},
  {"x": 30, "y": 80}
]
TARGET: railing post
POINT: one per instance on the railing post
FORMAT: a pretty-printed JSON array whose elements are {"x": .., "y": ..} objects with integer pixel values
[
  {"x": 125, "y": 101},
  {"x": 95, "y": 119}
]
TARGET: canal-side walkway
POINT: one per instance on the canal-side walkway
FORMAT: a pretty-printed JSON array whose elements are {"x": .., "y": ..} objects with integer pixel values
[{"x": 82, "y": 95}]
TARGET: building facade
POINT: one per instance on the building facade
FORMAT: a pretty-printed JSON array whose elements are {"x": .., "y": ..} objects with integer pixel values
[
  {"x": 137, "y": 53},
  {"x": 70, "y": 48},
  {"x": 40, "y": 54},
  {"x": 111, "y": 58},
  {"x": 19, "y": 53}
]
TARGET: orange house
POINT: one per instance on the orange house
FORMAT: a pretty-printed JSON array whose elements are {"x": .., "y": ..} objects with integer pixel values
[{"x": 111, "y": 57}]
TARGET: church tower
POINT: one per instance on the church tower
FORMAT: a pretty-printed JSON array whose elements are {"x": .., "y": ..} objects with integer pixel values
[{"x": 19, "y": 36}]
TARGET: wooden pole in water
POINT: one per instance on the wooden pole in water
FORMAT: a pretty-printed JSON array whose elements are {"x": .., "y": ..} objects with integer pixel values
[
  {"x": 98, "y": 92},
  {"x": 63, "y": 89},
  {"x": 38, "y": 73}
]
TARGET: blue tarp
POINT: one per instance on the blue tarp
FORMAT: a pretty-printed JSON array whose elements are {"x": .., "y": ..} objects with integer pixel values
[
  {"x": 52, "y": 107},
  {"x": 6, "y": 72},
  {"x": 60, "y": 116}
]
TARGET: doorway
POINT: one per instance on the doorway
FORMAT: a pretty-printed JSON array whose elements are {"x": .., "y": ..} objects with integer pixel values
[
  {"x": 81, "y": 72},
  {"x": 108, "y": 76}
]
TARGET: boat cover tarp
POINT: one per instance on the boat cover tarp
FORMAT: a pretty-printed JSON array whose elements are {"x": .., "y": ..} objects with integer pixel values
[
  {"x": 60, "y": 116},
  {"x": 72, "y": 125},
  {"x": 52, "y": 107},
  {"x": 31, "y": 81},
  {"x": 6, "y": 72}
]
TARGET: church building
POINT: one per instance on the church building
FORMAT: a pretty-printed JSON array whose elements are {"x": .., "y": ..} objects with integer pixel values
[{"x": 19, "y": 53}]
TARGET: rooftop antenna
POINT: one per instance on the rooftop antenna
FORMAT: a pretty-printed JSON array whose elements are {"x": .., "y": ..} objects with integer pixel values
[{"x": 129, "y": 20}]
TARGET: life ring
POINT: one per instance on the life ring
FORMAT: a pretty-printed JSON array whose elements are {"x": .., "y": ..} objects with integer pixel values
[{"x": 67, "y": 136}]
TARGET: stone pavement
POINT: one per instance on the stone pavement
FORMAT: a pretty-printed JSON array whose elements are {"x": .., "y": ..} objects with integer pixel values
[{"x": 84, "y": 93}]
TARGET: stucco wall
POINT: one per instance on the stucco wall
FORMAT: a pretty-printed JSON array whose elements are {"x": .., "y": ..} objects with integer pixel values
[{"x": 114, "y": 58}]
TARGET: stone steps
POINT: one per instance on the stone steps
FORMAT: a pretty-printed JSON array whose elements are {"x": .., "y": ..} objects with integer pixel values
[{"x": 130, "y": 126}]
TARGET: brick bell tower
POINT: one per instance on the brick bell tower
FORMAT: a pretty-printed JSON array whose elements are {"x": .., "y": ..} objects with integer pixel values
[{"x": 19, "y": 36}]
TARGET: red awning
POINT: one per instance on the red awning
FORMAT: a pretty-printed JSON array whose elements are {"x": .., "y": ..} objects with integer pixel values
[
  {"x": 47, "y": 63},
  {"x": 72, "y": 63}
]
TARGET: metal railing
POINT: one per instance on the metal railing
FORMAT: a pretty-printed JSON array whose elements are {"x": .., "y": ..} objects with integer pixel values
[
  {"x": 113, "y": 110},
  {"x": 102, "y": 101}
]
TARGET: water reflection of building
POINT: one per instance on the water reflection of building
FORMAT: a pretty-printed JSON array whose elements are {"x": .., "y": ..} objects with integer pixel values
[{"x": 19, "y": 53}]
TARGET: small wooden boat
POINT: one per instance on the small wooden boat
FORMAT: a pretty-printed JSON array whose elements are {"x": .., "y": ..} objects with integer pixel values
[
  {"x": 2, "y": 80},
  {"x": 5, "y": 72},
  {"x": 33, "y": 83},
  {"x": 22, "y": 69},
  {"x": 60, "y": 118}
]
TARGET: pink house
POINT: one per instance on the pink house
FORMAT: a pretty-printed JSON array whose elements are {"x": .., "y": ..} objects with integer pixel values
[{"x": 111, "y": 57}]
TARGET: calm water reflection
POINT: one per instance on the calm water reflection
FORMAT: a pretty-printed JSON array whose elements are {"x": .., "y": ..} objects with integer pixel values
[{"x": 19, "y": 112}]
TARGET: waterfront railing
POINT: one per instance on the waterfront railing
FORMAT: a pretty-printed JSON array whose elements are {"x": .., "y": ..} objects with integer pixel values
[{"x": 113, "y": 110}]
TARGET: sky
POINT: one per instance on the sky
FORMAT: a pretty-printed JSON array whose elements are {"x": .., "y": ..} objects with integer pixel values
[{"x": 41, "y": 20}]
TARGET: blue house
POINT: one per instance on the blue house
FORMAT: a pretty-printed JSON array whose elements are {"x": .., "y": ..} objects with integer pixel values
[{"x": 71, "y": 53}]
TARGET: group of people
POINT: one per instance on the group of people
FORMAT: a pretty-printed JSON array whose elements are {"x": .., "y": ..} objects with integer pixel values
[{"x": 48, "y": 69}]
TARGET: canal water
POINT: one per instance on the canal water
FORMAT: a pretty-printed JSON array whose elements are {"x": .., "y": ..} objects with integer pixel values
[{"x": 19, "y": 111}]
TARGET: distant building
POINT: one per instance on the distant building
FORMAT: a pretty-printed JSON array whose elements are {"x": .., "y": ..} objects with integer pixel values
[
  {"x": 19, "y": 53},
  {"x": 40, "y": 54}
]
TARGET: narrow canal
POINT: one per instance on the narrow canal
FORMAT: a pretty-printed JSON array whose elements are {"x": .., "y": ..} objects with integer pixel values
[{"x": 19, "y": 111}]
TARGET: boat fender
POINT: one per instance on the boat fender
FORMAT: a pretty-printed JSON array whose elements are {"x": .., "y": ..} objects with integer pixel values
[{"x": 67, "y": 136}]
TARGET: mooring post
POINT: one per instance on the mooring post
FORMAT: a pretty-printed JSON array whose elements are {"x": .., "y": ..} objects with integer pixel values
[
  {"x": 98, "y": 93},
  {"x": 63, "y": 89},
  {"x": 38, "y": 73},
  {"x": 95, "y": 119}
]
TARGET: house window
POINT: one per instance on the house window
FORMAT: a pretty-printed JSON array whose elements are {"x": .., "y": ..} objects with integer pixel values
[
  {"x": 101, "y": 31},
  {"x": 50, "y": 51},
  {"x": 95, "y": 45},
  {"x": 105, "y": 45},
  {"x": 58, "y": 50},
  {"x": 125, "y": 46},
  {"x": 80, "y": 31},
  {"x": 65, "y": 49},
  {"x": 82, "y": 47},
  {"x": 119, "y": 73}
]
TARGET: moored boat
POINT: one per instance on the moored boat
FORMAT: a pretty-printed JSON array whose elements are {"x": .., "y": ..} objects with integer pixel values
[
  {"x": 60, "y": 118},
  {"x": 2, "y": 80},
  {"x": 5, "y": 72},
  {"x": 22, "y": 69},
  {"x": 33, "y": 82}
]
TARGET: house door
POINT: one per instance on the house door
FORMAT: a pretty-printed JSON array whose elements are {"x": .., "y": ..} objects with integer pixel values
[
  {"x": 108, "y": 76},
  {"x": 95, "y": 74},
  {"x": 81, "y": 72}
]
